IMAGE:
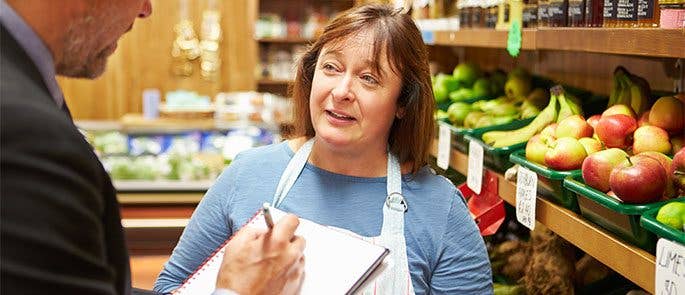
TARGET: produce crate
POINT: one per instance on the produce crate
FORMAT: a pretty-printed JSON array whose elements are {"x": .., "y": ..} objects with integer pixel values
[
  {"x": 550, "y": 181},
  {"x": 494, "y": 158},
  {"x": 648, "y": 221},
  {"x": 613, "y": 215}
]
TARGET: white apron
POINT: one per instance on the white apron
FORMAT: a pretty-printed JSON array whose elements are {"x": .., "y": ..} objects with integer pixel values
[{"x": 395, "y": 279}]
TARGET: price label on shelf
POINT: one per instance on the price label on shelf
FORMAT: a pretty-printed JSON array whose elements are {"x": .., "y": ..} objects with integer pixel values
[
  {"x": 669, "y": 275},
  {"x": 474, "y": 175},
  {"x": 526, "y": 190},
  {"x": 444, "y": 148}
]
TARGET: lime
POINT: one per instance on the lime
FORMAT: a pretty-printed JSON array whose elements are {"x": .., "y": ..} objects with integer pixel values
[{"x": 672, "y": 214}]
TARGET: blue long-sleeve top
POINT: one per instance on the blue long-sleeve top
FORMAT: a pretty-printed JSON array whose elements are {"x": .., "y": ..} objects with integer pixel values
[{"x": 446, "y": 253}]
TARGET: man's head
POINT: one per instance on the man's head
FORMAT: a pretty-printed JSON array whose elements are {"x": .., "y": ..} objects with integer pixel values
[{"x": 81, "y": 34}]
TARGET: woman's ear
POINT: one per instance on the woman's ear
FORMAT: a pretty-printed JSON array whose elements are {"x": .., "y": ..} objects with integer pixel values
[{"x": 400, "y": 113}]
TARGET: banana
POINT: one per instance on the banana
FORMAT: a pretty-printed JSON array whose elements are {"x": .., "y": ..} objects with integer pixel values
[
  {"x": 508, "y": 138},
  {"x": 640, "y": 101}
]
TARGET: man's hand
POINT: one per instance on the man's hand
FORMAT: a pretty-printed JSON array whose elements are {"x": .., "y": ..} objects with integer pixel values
[{"x": 264, "y": 262}]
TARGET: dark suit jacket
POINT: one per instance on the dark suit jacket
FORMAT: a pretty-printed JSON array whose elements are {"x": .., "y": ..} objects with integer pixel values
[{"x": 61, "y": 229}]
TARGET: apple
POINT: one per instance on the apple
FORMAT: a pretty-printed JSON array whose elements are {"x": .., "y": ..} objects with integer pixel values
[
  {"x": 651, "y": 138},
  {"x": 574, "y": 126},
  {"x": 677, "y": 143},
  {"x": 550, "y": 130},
  {"x": 666, "y": 164},
  {"x": 678, "y": 170},
  {"x": 642, "y": 181},
  {"x": 619, "y": 109},
  {"x": 668, "y": 113},
  {"x": 597, "y": 167},
  {"x": 591, "y": 145},
  {"x": 593, "y": 120},
  {"x": 644, "y": 119},
  {"x": 537, "y": 147},
  {"x": 565, "y": 153},
  {"x": 615, "y": 130}
]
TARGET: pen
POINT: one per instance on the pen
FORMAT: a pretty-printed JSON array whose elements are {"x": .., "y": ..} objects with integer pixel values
[{"x": 267, "y": 215}]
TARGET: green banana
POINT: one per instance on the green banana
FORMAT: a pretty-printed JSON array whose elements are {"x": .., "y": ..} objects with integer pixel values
[{"x": 508, "y": 138}]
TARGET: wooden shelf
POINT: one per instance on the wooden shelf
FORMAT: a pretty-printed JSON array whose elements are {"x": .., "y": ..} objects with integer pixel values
[
  {"x": 633, "y": 263},
  {"x": 274, "y": 82},
  {"x": 643, "y": 42},
  {"x": 290, "y": 40},
  {"x": 159, "y": 198},
  {"x": 490, "y": 38}
]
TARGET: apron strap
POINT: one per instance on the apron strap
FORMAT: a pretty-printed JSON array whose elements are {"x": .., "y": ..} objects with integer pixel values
[{"x": 292, "y": 172}]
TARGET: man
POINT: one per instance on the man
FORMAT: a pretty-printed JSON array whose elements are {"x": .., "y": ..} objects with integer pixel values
[{"x": 61, "y": 230}]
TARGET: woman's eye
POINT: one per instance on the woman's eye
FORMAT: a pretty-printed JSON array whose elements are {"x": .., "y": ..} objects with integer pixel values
[
  {"x": 329, "y": 67},
  {"x": 369, "y": 79}
]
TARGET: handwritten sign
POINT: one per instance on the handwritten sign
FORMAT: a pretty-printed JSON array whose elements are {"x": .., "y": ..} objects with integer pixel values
[
  {"x": 526, "y": 190},
  {"x": 474, "y": 175},
  {"x": 670, "y": 268},
  {"x": 444, "y": 147}
]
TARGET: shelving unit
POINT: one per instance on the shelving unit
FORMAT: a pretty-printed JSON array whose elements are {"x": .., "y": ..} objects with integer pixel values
[
  {"x": 273, "y": 82},
  {"x": 641, "y": 42},
  {"x": 288, "y": 40},
  {"x": 633, "y": 263}
]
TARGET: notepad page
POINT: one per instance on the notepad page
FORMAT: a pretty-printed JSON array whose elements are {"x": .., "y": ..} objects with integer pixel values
[{"x": 334, "y": 261}]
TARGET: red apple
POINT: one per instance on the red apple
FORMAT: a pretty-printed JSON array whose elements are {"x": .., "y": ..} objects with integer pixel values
[
  {"x": 593, "y": 120},
  {"x": 615, "y": 130},
  {"x": 678, "y": 170},
  {"x": 597, "y": 167},
  {"x": 574, "y": 126},
  {"x": 644, "y": 119},
  {"x": 619, "y": 109},
  {"x": 537, "y": 147},
  {"x": 642, "y": 181},
  {"x": 668, "y": 113},
  {"x": 591, "y": 145},
  {"x": 666, "y": 164},
  {"x": 550, "y": 130},
  {"x": 677, "y": 143},
  {"x": 651, "y": 138},
  {"x": 566, "y": 153}
]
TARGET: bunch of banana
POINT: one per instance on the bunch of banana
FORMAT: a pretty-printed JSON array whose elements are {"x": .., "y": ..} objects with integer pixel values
[
  {"x": 567, "y": 106},
  {"x": 631, "y": 90}
]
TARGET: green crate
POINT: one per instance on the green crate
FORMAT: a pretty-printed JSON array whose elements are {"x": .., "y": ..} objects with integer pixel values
[
  {"x": 648, "y": 221},
  {"x": 550, "y": 181},
  {"x": 613, "y": 215},
  {"x": 494, "y": 158}
]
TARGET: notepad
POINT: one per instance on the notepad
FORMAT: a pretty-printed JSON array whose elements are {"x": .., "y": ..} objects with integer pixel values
[{"x": 335, "y": 262}]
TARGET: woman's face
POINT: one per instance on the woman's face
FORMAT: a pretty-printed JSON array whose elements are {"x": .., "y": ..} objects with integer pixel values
[{"x": 352, "y": 106}]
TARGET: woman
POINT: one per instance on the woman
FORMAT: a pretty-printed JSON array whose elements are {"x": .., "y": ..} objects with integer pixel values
[{"x": 363, "y": 109}]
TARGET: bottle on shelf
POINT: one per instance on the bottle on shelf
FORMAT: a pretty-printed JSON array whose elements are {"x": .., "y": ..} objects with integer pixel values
[
  {"x": 626, "y": 13},
  {"x": 530, "y": 14},
  {"x": 543, "y": 13},
  {"x": 609, "y": 14},
  {"x": 594, "y": 13},
  {"x": 672, "y": 14},
  {"x": 558, "y": 13},
  {"x": 576, "y": 13},
  {"x": 648, "y": 14}
]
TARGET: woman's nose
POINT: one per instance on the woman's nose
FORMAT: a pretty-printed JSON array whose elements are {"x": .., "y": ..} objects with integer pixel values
[{"x": 342, "y": 89}]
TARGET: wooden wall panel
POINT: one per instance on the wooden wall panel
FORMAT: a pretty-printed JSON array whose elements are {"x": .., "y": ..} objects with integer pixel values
[{"x": 143, "y": 60}]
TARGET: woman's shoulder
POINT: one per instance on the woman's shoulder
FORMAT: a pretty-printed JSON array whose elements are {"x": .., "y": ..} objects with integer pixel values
[
  {"x": 266, "y": 153},
  {"x": 427, "y": 179}
]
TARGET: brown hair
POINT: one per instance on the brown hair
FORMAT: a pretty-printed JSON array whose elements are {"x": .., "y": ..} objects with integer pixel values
[{"x": 411, "y": 136}]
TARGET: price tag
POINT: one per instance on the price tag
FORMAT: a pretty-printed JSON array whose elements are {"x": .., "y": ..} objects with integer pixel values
[
  {"x": 444, "y": 147},
  {"x": 474, "y": 175},
  {"x": 526, "y": 190},
  {"x": 514, "y": 38},
  {"x": 670, "y": 268}
]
